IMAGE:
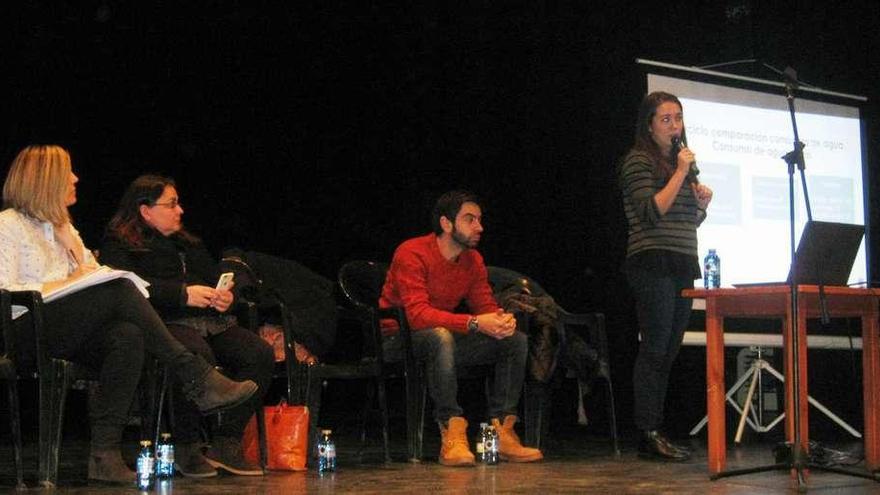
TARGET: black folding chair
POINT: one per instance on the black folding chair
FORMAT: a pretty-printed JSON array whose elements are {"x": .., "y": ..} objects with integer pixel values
[{"x": 9, "y": 374}]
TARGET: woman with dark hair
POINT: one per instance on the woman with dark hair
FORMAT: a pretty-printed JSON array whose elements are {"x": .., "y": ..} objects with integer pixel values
[
  {"x": 146, "y": 236},
  {"x": 664, "y": 204},
  {"x": 108, "y": 326}
]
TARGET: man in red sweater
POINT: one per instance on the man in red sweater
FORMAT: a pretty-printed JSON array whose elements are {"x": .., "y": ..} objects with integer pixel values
[{"x": 430, "y": 276}]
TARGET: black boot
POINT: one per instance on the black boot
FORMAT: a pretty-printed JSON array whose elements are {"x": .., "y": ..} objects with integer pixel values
[
  {"x": 678, "y": 446},
  {"x": 654, "y": 445},
  {"x": 208, "y": 388}
]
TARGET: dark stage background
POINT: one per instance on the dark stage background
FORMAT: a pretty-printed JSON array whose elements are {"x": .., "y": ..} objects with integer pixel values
[{"x": 323, "y": 131}]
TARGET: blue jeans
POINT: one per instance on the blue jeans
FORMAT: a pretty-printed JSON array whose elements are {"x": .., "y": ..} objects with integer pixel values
[
  {"x": 663, "y": 315},
  {"x": 442, "y": 350}
]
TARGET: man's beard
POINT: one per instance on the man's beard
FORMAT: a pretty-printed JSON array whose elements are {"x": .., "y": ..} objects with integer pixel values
[{"x": 462, "y": 240}]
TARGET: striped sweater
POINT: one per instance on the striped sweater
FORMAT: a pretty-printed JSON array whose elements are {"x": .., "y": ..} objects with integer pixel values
[{"x": 676, "y": 231}]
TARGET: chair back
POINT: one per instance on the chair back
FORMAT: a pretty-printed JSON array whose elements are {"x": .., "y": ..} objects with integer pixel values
[
  {"x": 7, "y": 344},
  {"x": 503, "y": 278},
  {"x": 361, "y": 282},
  {"x": 9, "y": 374}
]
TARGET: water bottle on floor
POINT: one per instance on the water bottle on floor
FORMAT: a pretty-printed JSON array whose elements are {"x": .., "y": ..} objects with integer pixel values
[
  {"x": 712, "y": 270},
  {"x": 165, "y": 487},
  {"x": 481, "y": 442},
  {"x": 145, "y": 467},
  {"x": 165, "y": 457},
  {"x": 490, "y": 446},
  {"x": 326, "y": 453}
]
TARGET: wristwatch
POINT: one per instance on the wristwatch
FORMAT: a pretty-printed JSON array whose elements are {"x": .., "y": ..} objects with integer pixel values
[{"x": 473, "y": 325}]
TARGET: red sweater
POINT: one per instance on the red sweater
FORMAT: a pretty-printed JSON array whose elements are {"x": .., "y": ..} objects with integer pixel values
[{"x": 430, "y": 287}]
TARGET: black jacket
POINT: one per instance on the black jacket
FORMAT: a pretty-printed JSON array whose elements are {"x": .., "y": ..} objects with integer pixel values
[{"x": 169, "y": 264}]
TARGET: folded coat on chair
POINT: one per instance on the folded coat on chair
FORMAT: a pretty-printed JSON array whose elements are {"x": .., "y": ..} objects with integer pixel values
[
  {"x": 547, "y": 348},
  {"x": 309, "y": 297}
]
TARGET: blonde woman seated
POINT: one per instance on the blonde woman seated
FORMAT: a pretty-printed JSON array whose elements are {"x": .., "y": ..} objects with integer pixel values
[{"x": 110, "y": 326}]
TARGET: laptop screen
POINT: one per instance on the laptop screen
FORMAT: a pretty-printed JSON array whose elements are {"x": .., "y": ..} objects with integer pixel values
[{"x": 826, "y": 253}]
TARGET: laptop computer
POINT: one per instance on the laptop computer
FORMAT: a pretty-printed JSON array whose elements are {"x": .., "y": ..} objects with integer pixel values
[{"x": 825, "y": 254}]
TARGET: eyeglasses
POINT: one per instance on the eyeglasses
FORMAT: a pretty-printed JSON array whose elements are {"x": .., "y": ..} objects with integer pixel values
[{"x": 174, "y": 203}]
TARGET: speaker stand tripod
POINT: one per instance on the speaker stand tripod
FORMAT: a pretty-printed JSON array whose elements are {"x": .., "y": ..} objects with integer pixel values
[{"x": 749, "y": 415}]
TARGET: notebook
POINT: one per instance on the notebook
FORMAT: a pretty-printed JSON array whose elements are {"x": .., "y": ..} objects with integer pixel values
[{"x": 825, "y": 254}]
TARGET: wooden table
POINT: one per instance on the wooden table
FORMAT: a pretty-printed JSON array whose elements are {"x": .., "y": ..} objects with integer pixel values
[{"x": 775, "y": 302}]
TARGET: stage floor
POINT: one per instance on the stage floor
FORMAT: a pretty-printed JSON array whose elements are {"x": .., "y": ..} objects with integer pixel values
[{"x": 577, "y": 462}]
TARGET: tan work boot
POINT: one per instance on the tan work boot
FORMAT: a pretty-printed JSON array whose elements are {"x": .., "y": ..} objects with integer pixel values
[
  {"x": 509, "y": 446},
  {"x": 454, "y": 449}
]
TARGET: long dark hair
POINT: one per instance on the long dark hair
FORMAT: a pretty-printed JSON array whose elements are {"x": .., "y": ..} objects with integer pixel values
[
  {"x": 127, "y": 224},
  {"x": 643, "y": 140}
]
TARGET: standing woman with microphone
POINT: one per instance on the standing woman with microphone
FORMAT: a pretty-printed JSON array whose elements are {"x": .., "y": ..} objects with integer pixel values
[{"x": 664, "y": 203}]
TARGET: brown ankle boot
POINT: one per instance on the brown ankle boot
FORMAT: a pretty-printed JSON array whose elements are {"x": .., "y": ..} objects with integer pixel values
[
  {"x": 215, "y": 392},
  {"x": 106, "y": 465},
  {"x": 190, "y": 461},
  {"x": 226, "y": 454},
  {"x": 454, "y": 449},
  {"x": 509, "y": 446}
]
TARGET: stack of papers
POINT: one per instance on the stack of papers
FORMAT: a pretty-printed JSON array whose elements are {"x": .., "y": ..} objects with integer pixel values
[{"x": 99, "y": 276}]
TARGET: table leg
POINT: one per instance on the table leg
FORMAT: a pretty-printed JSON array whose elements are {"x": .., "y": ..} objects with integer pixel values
[
  {"x": 715, "y": 388},
  {"x": 802, "y": 403},
  {"x": 870, "y": 384}
]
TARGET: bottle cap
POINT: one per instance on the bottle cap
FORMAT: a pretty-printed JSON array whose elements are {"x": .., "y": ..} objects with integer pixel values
[
  {"x": 166, "y": 436},
  {"x": 146, "y": 443},
  {"x": 483, "y": 425},
  {"x": 326, "y": 432}
]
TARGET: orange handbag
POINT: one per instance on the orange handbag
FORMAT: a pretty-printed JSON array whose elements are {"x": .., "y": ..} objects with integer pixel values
[{"x": 287, "y": 437}]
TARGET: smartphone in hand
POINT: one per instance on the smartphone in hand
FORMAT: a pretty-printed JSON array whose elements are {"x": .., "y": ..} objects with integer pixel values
[{"x": 225, "y": 281}]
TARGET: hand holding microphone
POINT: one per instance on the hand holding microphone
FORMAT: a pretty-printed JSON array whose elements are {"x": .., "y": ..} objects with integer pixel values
[{"x": 683, "y": 157}]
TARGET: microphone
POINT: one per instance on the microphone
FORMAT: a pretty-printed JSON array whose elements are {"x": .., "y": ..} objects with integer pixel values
[
  {"x": 676, "y": 147},
  {"x": 693, "y": 172}
]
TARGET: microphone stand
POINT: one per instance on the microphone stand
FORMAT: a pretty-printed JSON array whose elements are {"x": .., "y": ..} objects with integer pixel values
[{"x": 799, "y": 460}]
